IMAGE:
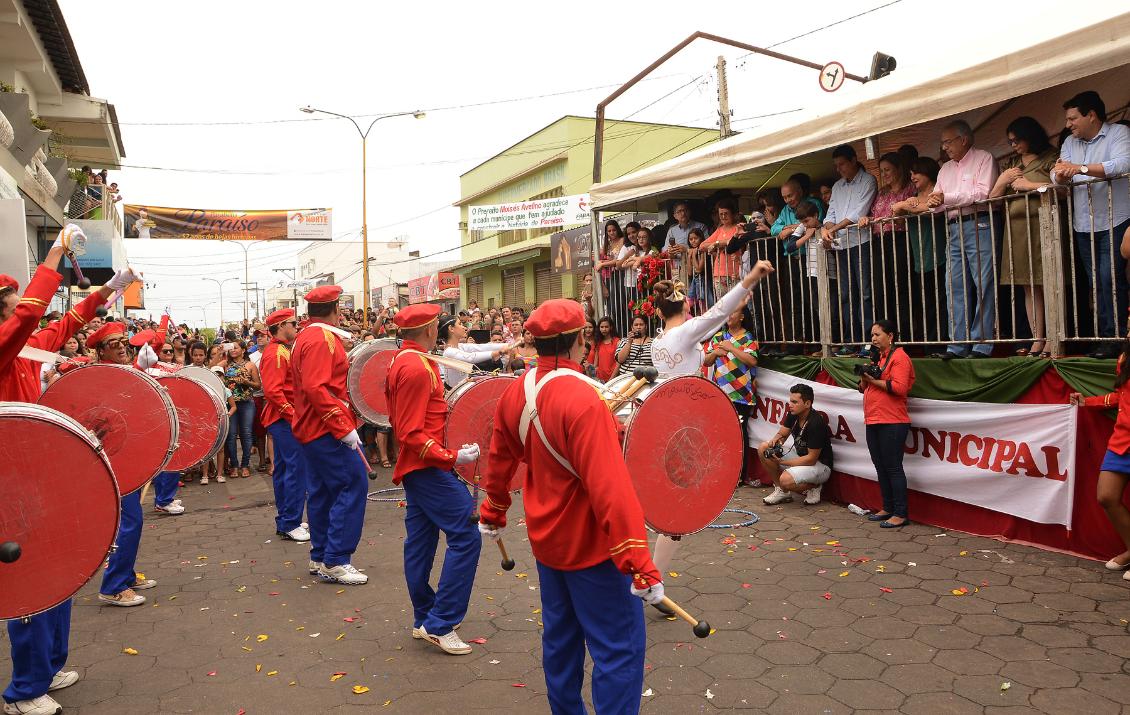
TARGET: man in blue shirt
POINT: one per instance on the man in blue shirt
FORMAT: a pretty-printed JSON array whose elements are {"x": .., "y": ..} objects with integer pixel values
[
  {"x": 852, "y": 197},
  {"x": 678, "y": 235},
  {"x": 1094, "y": 151}
]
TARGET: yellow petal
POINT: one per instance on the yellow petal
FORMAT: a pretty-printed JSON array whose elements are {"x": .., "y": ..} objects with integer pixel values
[
  {"x": 386, "y": 703},
  {"x": 360, "y": 690},
  {"x": 673, "y": 574},
  {"x": 273, "y": 672},
  {"x": 844, "y": 573},
  {"x": 129, "y": 651},
  {"x": 336, "y": 677},
  {"x": 245, "y": 648},
  {"x": 258, "y": 667},
  {"x": 958, "y": 592},
  {"x": 261, "y": 637}
]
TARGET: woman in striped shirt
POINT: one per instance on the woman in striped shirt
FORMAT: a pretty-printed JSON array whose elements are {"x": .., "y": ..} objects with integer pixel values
[{"x": 634, "y": 349}]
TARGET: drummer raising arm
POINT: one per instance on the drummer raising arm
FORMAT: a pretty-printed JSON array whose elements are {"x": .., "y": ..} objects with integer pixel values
[
  {"x": 436, "y": 499},
  {"x": 584, "y": 521}
]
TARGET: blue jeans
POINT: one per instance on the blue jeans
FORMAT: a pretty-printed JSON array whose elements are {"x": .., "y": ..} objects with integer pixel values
[
  {"x": 593, "y": 607},
  {"x": 885, "y": 443},
  {"x": 853, "y": 273},
  {"x": 438, "y": 501},
  {"x": 971, "y": 273},
  {"x": 1105, "y": 298},
  {"x": 240, "y": 425},
  {"x": 39, "y": 650}
]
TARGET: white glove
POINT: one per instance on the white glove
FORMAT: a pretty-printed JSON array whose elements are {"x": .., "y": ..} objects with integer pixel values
[
  {"x": 651, "y": 595},
  {"x": 71, "y": 238},
  {"x": 351, "y": 440},
  {"x": 122, "y": 279},
  {"x": 490, "y": 531},
  {"x": 468, "y": 454},
  {"x": 146, "y": 357}
]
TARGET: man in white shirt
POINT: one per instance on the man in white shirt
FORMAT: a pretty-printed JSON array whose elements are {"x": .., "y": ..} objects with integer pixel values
[{"x": 852, "y": 197}]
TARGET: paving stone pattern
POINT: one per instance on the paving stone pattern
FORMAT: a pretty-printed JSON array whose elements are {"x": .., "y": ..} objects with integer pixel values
[{"x": 815, "y": 611}]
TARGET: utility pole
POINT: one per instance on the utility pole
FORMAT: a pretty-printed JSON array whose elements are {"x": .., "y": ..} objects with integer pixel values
[
  {"x": 291, "y": 271},
  {"x": 253, "y": 289},
  {"x": 723, "y": 100}
]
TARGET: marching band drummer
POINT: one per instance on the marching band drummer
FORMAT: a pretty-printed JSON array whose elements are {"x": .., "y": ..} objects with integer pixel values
[
  {"x": 584, "y": 521},
  {"x": 39, "y": 645},
  {"x": 677, "y": 349},
  {"x": 155, "y": 357},
  {"x": 325, "y": 427},
  {"x": 278, "y": 413},
  {"x": 436, "y": 499},
  {"x": 453, "y": 333},
  {"x": 120, "y": 581}
]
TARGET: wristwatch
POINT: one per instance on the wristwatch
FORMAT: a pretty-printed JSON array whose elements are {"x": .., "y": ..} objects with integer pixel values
[{"x": 1083, "y": 169}]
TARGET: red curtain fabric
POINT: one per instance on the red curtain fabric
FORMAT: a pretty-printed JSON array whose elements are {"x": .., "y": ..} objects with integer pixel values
[{"x": 1091, "y": 535}]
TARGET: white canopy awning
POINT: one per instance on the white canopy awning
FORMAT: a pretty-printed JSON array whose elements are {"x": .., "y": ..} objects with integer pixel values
[{"x": 1030, "y": 71}]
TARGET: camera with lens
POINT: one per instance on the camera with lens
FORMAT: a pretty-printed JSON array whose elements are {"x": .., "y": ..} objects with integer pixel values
[
  {"x": 774, "y": 452},
  {"x": 874, "y": 370}
]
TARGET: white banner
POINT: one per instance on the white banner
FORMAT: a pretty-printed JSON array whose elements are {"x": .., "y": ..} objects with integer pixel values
[
  {"x": 1014, "y": 459},
  {"x": 535, "y": 213}
]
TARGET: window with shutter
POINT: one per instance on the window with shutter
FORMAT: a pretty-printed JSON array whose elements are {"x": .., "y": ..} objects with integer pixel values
[
  {"x": 475, "y": 289},
  {"x": 514, "y": 287}
]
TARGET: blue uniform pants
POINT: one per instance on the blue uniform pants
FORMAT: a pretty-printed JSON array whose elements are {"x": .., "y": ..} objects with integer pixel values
[
  {"x": 39, "y": 650},
  {"x": 593, "y": 606},
  {"x": 438, "y": 501},
  {"x": 120, "y": 573},
  {"x": 165, "y": 488},
  {"x": 289, "y": 477},
  {"x": 335, "y": 506}
]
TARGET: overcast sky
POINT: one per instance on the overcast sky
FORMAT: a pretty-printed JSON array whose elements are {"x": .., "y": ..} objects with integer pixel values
[{"x": 208, "y": 94}]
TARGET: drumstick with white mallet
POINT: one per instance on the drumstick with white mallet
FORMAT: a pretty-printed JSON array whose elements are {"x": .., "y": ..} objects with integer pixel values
[{"x": 643, "y": 376}]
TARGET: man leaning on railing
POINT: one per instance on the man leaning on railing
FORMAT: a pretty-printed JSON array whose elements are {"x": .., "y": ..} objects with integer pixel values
[{"x": 1095, "y": 151}]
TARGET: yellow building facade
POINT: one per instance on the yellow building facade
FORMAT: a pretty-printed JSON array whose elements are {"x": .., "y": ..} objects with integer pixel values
[{"x": 513, "y": 267}]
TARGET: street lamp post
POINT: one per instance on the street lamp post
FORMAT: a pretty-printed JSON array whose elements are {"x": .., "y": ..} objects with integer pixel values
[
  {"x": 364, "y": 193},
  {"x": 220, "y": 284}
]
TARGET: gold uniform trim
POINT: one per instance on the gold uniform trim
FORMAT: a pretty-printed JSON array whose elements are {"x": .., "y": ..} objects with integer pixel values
[
  {"x": 33, "y": 301},
  {"x": 628, "y": 544},
  {"x": 335, "y": 411},
  {"x": 77, "y": 317}
]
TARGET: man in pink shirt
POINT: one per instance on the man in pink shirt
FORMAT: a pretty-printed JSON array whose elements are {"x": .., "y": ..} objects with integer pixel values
[{"x": 967, "y": 177}]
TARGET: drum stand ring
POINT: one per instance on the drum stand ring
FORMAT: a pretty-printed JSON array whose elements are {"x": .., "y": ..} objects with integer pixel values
[
  {"x": 372, "y": 496},
  {"x": 753, "y": 519}
]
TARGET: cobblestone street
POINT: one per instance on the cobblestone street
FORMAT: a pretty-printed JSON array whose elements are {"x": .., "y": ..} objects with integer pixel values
[{"x": 815, "y": 612}]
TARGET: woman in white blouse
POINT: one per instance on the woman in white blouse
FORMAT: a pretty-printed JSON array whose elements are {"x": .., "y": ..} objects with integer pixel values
[
  {"x": 677, "y": 349},
  {"x": 453, "y": 333}
]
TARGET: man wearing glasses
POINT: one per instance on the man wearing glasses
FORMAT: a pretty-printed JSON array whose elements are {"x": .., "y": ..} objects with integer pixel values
[
  {"x": 277, "y": 415},
  {"x": 678, "y": 236}
]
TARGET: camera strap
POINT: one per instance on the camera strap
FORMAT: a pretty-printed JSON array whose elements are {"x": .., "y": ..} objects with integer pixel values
[{"x": 891, "y": 354}]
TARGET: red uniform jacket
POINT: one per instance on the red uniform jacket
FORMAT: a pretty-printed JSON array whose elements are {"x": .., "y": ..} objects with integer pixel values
[
  {"x": 1119, "y": 439},
  {"x": 573, "y": 522},
  {"x": 278, "y": 384},
  {"x": 19, "y": 377},
  {"x": 319, "y": 366},
  {"x": 418, "y": 410}
]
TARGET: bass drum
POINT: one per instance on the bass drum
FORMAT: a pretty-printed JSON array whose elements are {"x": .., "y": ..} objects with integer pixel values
[
  {"x": 127, "y": 411},
  {"x": 368, "y": 372},
  {"x": 201, "y": 417},
  {"x": 470, "y": 418},
  {"x": 205, "y": 376},
  {"x": 683, "y": 447},
  {"x": 59, "y": 503}
]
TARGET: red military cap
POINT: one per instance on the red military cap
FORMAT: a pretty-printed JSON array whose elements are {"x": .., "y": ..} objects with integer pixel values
[
  {"x": 280, "y": 316},
  {"x": 107, "y": 331},
  {"x": 142, "y": 337},
  {"x": 6, "y": 281},
  {"x": 559, "y": 316},
  {"x": 416, "y": 316},
  {"x": 324, "y": 294}
]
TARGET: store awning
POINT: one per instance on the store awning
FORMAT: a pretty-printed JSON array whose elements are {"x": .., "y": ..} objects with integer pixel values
[
  {"x": 1030, "y": 71},
  {"x": 502, "y": 259}
]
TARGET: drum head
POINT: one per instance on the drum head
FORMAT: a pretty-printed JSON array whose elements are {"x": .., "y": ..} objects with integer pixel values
[
  {"x": 470, "y": 418},
  {"x": 127, "y": 410},
  {"x": 683, "y": 447},
  {"x": 201, "y": 418},
  {"x": 58, "y": 501},
  {"x": 205, "y": 376},
  {"x": 368, "y": 373}
]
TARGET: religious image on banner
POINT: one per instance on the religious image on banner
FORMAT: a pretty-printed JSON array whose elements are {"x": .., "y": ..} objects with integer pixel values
[
  {"x": 149, "y": 222},
  {"x": 1012, "y": 459},
  {"x": 571, "y": 250}
]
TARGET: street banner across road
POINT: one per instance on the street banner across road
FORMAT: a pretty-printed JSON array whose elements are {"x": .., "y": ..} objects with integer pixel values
[
  {"x": 534, "y": 213},
  {"x": 1013, "y": 459},
  {"x": 209, "y": 224}
]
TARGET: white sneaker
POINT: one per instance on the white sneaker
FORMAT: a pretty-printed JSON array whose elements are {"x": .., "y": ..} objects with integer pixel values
[
  {"x": 173, "y": 508},
  {"x": 314, "y": 567},
  {"x": 43, "y": 705},
  {"x": 203, "y": 481},
  {"x": 221, "y": 479},
  {"x": 450, "y": 643},
  {"x": 142, "y": 584},
  {"x": 344, "y": 574},
  {"x": 126, "y": 598},
  {"x": 296, "y": 534},
  {"x": 778, "y": 496},
  {"x": 812, "y": 496},
  {"x": 418, "y": 633},
  {"x": 63, "y": 679}
]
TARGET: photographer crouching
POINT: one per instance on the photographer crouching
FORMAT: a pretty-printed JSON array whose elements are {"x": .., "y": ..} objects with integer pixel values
[
  {"x": 806, "y": 464},
  {"x": 885, "y": 384}
]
